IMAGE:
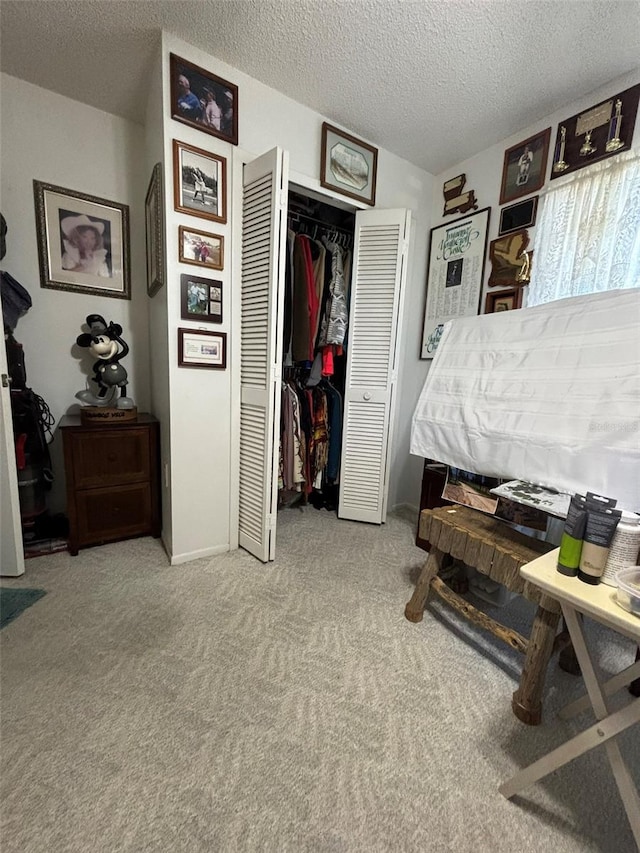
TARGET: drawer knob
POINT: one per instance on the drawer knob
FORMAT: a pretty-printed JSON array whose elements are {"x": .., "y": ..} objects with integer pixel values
[{"x": 112, "y": 457}]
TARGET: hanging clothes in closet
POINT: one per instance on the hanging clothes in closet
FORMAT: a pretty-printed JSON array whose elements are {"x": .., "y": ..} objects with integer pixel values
[
  {"x": 315, "y": 329},
  {"x": 310, "y": 443}
]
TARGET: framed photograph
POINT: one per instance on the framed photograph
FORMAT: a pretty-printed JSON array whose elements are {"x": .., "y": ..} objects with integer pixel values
[
  {"x": 518, "y": 216},
  {"x": 525, "y": 167},
  {"x": 508, "y": 254},
  {"x": 154, "y": 225},
  {"x": 200, "y": 299},
  {"x": 200, "y": 248},
  {"x": 83, "y": 242},
  {"x": 199, "y": 182},
  {"x": 202, "y": 100},
  {"x": 198, "y": 348},
  {"x": 348, "y": 165},
  {"x": 503, "y": 300},
  {"x": 455, "y": 274}
]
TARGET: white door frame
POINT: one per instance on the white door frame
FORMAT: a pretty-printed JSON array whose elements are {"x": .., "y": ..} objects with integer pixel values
[{"x": 11, "y": 547}]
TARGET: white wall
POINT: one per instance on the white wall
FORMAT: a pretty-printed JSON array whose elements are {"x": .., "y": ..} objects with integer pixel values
[
  {"x": 484, "y": 175},
  {"x": 202, "y": 401},
  {"x": 50, "y": 138},
  {"x": 157, "y": 305}
]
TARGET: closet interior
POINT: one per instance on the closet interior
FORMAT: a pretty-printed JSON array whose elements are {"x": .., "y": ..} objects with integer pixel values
[{"x": 314, "y": 347}]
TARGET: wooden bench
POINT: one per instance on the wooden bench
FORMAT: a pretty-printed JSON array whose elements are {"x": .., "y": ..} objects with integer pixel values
[{"x": 495, "y": 550}]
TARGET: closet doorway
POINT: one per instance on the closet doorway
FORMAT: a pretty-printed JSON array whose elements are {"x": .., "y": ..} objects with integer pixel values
[{"x": 380, "y": 245}]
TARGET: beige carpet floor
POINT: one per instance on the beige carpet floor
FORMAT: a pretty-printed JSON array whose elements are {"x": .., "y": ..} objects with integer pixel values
[{"x": 224, "y": 705}]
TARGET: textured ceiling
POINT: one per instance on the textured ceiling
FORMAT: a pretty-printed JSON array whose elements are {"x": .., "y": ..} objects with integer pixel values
[{"x": 434, "y": 81}]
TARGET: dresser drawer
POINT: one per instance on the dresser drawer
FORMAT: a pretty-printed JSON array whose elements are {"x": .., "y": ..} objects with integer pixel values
[
  {"x": 104, "y": 458},
  {"x": 113, "y": 513}
]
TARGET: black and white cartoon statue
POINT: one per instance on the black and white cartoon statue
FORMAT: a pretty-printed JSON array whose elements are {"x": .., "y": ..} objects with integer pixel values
[{"x": 107, "y": 346}]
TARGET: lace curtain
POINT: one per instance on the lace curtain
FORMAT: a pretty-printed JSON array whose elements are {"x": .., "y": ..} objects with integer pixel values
[{"x": 588, "y": 232}]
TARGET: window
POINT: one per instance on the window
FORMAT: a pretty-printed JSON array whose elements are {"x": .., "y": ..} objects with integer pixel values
[{"x": 588, "y": 233}]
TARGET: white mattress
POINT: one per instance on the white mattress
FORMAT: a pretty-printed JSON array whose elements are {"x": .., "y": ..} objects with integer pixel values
[{"x": 550, "y": 395}]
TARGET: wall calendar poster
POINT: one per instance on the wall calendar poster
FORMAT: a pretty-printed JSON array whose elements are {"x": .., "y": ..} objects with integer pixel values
[{"x": 455, "y": 274}]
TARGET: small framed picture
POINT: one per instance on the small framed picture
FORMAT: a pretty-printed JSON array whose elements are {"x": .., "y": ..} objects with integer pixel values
[
  {"x": 525, "y": 167},
  {"x": 348, "y": 165},
  {"x": 83, "y": 242},
  {"x": 199, "y": 182},
  {"x": 517, "y": 216},
  {"x": 202, "y": 100},
  {"x": 199, "y": 348},
  {"x": 200, "y": 248},
  {"x": 154, "y": 226},
  {"x": 503, "y": 300},
  {"x": 201, "y": 299}
]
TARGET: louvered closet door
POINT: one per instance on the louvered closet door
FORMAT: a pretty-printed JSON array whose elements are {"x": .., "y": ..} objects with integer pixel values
[
  {"x": 263, "y": 257},
  {"x": 379, "y": 273}
]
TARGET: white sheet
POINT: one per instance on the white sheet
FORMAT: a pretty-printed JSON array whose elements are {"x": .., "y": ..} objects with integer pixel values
[{"x": 549, "y": 394}]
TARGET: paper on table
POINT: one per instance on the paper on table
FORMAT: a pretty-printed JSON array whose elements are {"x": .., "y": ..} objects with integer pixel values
[{"x": 555, "y": 503}]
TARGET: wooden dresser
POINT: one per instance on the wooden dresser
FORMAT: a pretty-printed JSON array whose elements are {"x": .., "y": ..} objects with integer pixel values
[{"x": 112, "y": 475}]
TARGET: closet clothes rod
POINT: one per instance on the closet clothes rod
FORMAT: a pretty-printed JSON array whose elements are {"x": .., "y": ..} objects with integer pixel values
[{"x": 302, "y": 219}]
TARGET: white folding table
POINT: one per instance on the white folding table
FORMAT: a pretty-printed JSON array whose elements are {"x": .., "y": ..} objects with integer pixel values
[{"x": 599, "y": 603}]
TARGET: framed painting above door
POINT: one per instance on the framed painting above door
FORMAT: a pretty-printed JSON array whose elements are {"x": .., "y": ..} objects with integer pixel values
[{"x": 348, "y": 165}]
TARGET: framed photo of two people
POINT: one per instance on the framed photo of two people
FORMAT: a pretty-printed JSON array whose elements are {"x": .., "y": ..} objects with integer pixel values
[{"x": 202, "y": 100}]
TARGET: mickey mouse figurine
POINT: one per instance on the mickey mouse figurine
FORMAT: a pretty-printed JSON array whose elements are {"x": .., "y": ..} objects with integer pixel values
[{"x": 104, "y": 343}]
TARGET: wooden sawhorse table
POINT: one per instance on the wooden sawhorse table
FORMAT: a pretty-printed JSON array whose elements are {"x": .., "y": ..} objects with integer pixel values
[
  {"x": 597, "y": 602},
  {"x": 494, "y": 549}
]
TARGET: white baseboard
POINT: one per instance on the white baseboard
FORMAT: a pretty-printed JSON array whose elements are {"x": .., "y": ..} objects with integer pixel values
[{"x": 178, "y": 559}]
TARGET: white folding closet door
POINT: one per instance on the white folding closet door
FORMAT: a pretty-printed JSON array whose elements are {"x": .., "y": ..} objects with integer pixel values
[
  {"x": 378, "y": 277},
  {"x": 264, "y": 195}
]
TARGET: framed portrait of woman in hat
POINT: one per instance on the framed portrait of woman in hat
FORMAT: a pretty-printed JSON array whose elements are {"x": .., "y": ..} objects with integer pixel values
[{"x": 83, "y": 242}]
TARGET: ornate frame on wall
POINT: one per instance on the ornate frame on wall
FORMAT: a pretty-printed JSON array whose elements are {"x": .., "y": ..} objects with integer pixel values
[
  {"x": 154, "y": 229},
  {"x": 62, "y": 214}
]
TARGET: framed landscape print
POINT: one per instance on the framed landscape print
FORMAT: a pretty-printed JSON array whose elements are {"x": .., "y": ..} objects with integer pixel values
[
  {"x": 525, "y": 167},
  {"x": 503, "y": 300},
  {"x": 199, "y": 182},
  {"x": 199, "y": 348},
  {"x": 348, "y": 165},
  {"x": 455, "y": 274},
  {"x": 202, "y": 100},
  {"x": 200, "y": 299},
  {"x": 154, "y": 228},
  {"x": 200, "y": 248},
  {"x": 83, "y": 242}
]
